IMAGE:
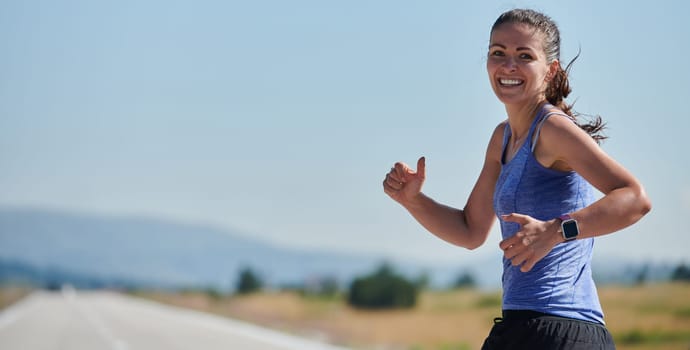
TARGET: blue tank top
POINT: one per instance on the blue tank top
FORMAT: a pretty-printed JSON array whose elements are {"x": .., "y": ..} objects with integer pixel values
[{"x": 561, "y": 283}]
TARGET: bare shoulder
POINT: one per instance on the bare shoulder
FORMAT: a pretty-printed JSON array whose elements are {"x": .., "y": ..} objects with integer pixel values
[
  {"x": 499, "y": 130},
  {"x": 562, "y": 144},
  {"x": 495, "y": 147},
  {"x": 561, "y": 130}
]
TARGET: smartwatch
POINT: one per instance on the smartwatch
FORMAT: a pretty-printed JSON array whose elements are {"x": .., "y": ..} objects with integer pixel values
[{"x": 569, "y": 227}]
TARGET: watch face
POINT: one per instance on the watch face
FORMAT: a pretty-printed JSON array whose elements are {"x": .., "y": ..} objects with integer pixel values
[{"x": 570, "y": 229}]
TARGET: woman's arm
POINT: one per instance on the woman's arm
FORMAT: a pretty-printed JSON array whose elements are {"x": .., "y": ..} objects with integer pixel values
[
  {"x": 625, "y": 200},
  {"x": 468, "y": 227},
  {"x": 562, "y": 145}
]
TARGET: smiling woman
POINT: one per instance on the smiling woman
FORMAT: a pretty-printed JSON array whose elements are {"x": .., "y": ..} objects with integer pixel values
[
  {"x": 517, "y": 63},
  {"x": 539, "y": 175},
  {"x": 520, "y": 54}
]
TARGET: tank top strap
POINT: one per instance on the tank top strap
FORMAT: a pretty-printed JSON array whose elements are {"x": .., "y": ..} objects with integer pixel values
[
  {"x": 534, "y": 129},
  {"x": 538, "y": 123},
  {"x": 506, "y": 136}
]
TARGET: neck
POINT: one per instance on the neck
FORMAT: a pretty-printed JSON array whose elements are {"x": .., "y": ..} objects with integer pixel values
[{"x": 520, "y": 117}]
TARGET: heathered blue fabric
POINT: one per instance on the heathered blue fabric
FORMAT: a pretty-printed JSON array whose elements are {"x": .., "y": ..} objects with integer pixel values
[{"x": 561, "y": 283}]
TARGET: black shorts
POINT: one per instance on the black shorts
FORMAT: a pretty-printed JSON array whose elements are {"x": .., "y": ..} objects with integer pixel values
[{"x": 535, "y": 330}]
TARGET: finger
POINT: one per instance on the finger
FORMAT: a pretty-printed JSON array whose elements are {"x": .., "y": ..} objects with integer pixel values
[
  {"x": 517, "y": 218},
  {"x": 511, "y": 241},
  {"x": 389, "y": 190},
  {"x": 393, "y": 183},
  {"x": 513, "y": 248},
  {"x": 507, "y": 243},
  {"x": 394, "y": 176},
  {"x": 521, "y": 258},
  {"x": 513, "y": 251},
  {"x": 421, "y": 167},
  {"x": 400, "y": 170}
]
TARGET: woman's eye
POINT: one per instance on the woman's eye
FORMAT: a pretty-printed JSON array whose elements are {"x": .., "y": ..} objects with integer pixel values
[
  {"x": 496, "y": 53},
  {"x": 526, "y": 56}
]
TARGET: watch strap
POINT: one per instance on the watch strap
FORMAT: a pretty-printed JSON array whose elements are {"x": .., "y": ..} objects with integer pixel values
[{"x": 565, "y": 217}]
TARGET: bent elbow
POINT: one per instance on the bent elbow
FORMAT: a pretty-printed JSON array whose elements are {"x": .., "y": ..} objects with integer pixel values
[
  {"x": 644, "y": 203},
  {"x": 476, "y": 242},
  {"x": 469, "y": 244},
  {"x": 473, "y": 247}
]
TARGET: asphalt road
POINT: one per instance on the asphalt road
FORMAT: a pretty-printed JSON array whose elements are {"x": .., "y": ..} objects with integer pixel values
[{"x": 104, "y": 320}]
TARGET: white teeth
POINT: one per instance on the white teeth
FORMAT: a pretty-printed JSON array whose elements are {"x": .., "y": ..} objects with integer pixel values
[{"x": 510, "y": 81}]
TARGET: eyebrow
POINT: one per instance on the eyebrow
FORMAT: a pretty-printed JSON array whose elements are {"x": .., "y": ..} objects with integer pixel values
[{"x": 505, "y": 48}]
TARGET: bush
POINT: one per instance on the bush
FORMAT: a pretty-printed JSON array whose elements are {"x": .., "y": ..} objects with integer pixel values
[
  {"x": 681, "y": 273},
  {"x": 248, "y": 282},
  {"x": 464, "y": 280},
  {"x": 383, "y": 289}
]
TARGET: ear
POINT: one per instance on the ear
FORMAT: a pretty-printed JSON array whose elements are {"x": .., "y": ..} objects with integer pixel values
[{"x": 553, "y": 69}]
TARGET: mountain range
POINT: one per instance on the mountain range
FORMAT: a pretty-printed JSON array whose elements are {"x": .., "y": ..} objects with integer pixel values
[
  {"x": 146, "y": 252},
  {"x": 153, "y": 252}
]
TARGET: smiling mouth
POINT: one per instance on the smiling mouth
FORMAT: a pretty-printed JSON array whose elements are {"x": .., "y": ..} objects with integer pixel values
[{"x": 510, "y": 82}]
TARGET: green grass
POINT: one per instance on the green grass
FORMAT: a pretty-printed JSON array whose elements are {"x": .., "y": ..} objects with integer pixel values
[
  {"x": 683, "y": 313},
  {"x": 489, "y": 301},
  {"x": 647, "y": 317},
  {"x": 657, "y": 337}
]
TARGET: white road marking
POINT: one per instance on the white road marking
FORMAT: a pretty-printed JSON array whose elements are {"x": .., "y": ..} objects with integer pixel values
[
  {"x": 115, "y": 321},
  {"x": 94, "y": 321}
]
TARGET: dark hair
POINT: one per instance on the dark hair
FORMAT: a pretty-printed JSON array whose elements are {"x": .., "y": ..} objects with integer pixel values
[{"x": 559, "y": 87}]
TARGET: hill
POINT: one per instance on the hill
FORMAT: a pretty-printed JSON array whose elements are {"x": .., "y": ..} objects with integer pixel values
[
  {"x": 92, "y": 250},
  {"x": 149, "y": 252}
]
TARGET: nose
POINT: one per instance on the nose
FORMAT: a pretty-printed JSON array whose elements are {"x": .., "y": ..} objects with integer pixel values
[{"x": 509, "y": 64}]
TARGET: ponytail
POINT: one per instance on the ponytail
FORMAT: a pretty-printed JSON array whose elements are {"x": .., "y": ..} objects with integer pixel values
[{"x": 556, "y": 92}]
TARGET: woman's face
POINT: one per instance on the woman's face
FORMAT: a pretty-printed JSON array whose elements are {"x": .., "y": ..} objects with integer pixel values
[{"x": 517, "y": 64}]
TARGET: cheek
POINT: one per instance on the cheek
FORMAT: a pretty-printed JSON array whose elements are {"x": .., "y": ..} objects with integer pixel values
[
  {"x": 544, "y": 73},
  {"x": 539, "y": 75},
  {"x": 491, "y": 70},
  {"x": 491, "y": 67},
  {"x": 545, "y": 77}
]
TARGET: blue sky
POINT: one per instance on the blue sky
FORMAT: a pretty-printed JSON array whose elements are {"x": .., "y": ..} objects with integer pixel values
[{"x": 279, "y": 119}]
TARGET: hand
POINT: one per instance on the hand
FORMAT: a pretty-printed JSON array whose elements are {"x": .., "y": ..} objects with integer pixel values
[
  {"x": 532, "y": 242},
  {"x": 402, "y": 183}
]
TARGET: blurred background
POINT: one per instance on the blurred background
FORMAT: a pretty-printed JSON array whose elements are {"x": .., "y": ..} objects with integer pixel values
[{"x": 180, "y": 144}]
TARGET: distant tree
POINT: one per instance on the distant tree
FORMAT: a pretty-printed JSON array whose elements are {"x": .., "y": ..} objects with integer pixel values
[
  {"x": 641, "y": 277},
  {"x": 464, "y": 280},
  {"x": 681, "y": 273},
  {"x": 382, "y": 289},
  {"x": 248, "y": 282}
]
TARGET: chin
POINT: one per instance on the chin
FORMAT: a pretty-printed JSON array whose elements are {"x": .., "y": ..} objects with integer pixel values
[{"x": 511, "y": 100}]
